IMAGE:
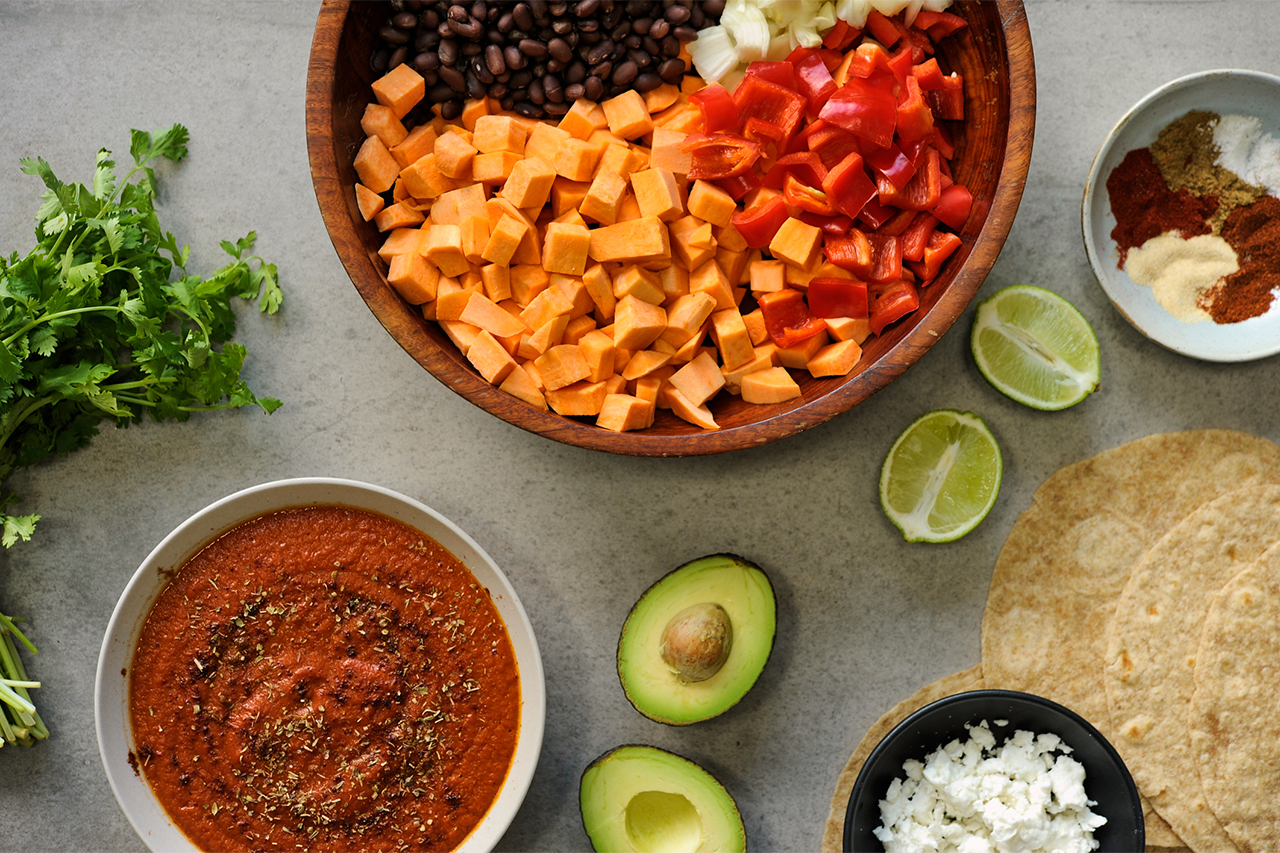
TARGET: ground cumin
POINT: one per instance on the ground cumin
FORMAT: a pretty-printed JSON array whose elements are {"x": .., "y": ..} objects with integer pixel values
[
  {"x": 1186, "y": 154},
  {"x": 1254, "y": 232}
]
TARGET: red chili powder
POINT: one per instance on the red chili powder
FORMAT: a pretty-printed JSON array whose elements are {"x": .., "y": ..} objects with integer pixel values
[
  {"x": 1254, "y": 232},
  {"x": 1144, "y": 207}
]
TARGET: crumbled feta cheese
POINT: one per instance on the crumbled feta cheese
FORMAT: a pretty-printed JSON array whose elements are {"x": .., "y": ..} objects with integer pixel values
[{"x": 1021, "y": 796}]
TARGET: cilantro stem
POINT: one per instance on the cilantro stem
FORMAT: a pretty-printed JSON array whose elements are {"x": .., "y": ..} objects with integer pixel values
[{"x": 57, "y": 315}]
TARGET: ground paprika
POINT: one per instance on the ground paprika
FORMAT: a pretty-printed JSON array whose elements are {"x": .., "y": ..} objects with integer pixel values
[{"x": 1145, "y": 207}]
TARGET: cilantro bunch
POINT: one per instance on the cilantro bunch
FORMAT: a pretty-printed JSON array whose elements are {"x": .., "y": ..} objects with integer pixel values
[{"x": 103, "y": 322}]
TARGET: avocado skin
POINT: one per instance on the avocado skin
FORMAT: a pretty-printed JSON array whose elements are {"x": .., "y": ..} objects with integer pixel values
[
  {"x": 737, "y": 690},
  {"x": 678, "y": 763}
]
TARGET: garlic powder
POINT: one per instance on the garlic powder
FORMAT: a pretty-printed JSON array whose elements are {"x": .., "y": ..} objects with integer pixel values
[{"x": 1024, "y": 795}]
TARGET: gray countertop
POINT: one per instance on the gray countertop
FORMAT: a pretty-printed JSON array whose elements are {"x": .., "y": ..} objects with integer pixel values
[{"x": 865, "y": 619}]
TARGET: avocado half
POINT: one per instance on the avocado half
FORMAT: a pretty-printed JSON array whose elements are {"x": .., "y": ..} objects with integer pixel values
[
  {"x": 717, "y": 606},
  {"x": 641, "y": 799}
]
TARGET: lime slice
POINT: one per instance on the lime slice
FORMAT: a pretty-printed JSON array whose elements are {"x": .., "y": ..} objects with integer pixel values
[
  {"x": 941, "y": 476},
  {"x": 1035, "y": 347}
]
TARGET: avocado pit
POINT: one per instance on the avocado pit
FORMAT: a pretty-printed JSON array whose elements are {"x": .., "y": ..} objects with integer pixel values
[{"x": 695, "y": 643}]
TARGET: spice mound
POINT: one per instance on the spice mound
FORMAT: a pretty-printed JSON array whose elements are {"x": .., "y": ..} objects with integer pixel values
[
  {"x": 324, "y": 678},
  {"x": 1196, "y": 217},
  {"x": 1024, "y": 795}
]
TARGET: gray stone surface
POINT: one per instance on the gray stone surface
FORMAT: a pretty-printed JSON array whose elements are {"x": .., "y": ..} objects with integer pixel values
[{"x": 864, "y": 618}]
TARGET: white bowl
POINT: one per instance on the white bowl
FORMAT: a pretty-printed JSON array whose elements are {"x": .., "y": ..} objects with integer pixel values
[
  {"x": 1223, "y": 91},
  {"x": 111, "y": 693}
]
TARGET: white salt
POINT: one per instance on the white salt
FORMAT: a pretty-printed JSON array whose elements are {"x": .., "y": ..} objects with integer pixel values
[
  {"x": 1264, "y": 164},
  {"x": 1246, "y": 151}
]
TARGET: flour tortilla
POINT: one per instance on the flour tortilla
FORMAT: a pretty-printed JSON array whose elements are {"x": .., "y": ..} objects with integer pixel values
[
  {"x": 1235, "y": 724},
  {"x": 1151, "y": 651},
  {"x": 969, "y": 679},
  {"x": 1066, "y": 560}
]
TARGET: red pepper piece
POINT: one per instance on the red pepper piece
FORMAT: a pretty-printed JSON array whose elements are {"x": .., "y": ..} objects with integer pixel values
[
  {"x": 919, "y": 193},
  {"x": 928, "y": 74},
  {"x": 892, "y": 163},
  {"x": 901, "y": 63},
  {"x": 915, "y": 119},
  {"x": 832, "y": 144},
  {"x": 740, "y": 186},
  {"x": 760, "y": 223},
  {"x": 841, "y": 36},
  {"x": 719, "y": 111},
  {"x": 835, "y": 225},
  {"x": 787, "y": 317},
  {"x": 918, "y": 42},
  {"x": 782, "y": 73},
  {"x": 874, "y": 214},
  {"x": 801, "y": 195},
  {"x": 941, "y": 245},
  {"x": 864, "y": 110},
  {"x": 850, "y": 251},
  {"x": 938, "y": 25},
  {"x": 847, "y": 186},
  {"x": 885, "y": 30},
  {"x": 768, "y": 134},
  {"x": 952, "y": 208},
  {"x": 805, "y": 165},
  {"x": 898, "y": 224},
  {"x": 886, "y": 250},
  {"x": 814, "y": 82},
  {"x": 916, "y": 237},
  {"x": 948, "y": 102},
  {"x": 719, "y": 155},
  {"x": 942, "y": 141},
  {"x": 868, "y": 57},
  {"x": 890, "y": 301},
  {"x": 758, "y": 97},
  {"x": 838, "y": 297}
]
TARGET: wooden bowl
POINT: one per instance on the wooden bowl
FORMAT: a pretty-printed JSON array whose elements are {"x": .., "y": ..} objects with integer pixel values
[{"x": 993, "y": 150}]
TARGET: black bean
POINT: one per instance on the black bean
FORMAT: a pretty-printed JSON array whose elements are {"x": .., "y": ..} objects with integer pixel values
[
  {"x": 532, "y": 49},
  {"x": 561, "y": 27},
  {"x": 480, "y": 10},
  {"x": 600, "y": 52},
  {"x": 444, "y": 31},
  {"x": 684, "y": 33},
  {"x": 440, "y": 92},
  {"x": 520, "y": 79},
  {"x": 540, "y": 9},
  {"x": 659, "y": 29},
  {"x": 523, "y": 16},
  {"x": 588, "y": 26},
  {"x": 391, "y": 35},
  {"x": 574, "y": 91},
  {"x": 471, "y": 48},
  {"x": 670, "y": 46},
  {"x": 672, "y": 70},
  {"x": 553, "y": 108},
  {"x": 619, "y": 32},
  {"x": 593, "y": 88},
  {"x": 576, "y": 72},
  {"x": 528, "y": 109},
  {"x": 404, "y": 21},
  {"x": 480, "y": 70},
  {"x": 430, "y": 78},
  {"x": 449, "y": 53},
  {"x": 498, "y": 90},
  {"x": 475, "y": 88},
  {"x": 560, "y": 49},
  {"x": 378, "y": 62},
  {"x": 515, "y": 59},
  {"x": 587, "y": 8},
  {"x": 676, "y": 14},
  {"x": 426, "y": 40},
  {"x": 651, "y": 47},
  {"x": 450, "y": 110},
  {"x": 398, "y": 56},
  {"x": 429, "y": 19},
  {"x": 536, "y": 94},
  {"x": 469, "y": 29},
  {"x": 624, "y": 73},
  {"x": 518, "y": 94},
  {"x": 647, "y": 81},
  {"x": 507, "y": 103},
  {"x": 602, "y": 69},
  {"x": 426, "y": 62},
  {"x": 494, "y": 59},
  {"x": 713, "y": 8},
  {"x": 458, "y": 14},
  {"x": 632, "y": 41},
  {"x": 697, "y": 17},
  {"x": 453, "y": 77},
  {"x": 506, "y": 23}
]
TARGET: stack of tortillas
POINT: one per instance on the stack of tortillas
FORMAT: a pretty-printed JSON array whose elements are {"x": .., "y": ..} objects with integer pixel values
[{"x": 1142, "y": 590}]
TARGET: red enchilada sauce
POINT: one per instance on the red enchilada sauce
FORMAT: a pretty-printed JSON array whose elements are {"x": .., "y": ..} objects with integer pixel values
[{"x": 324, "y": 678}]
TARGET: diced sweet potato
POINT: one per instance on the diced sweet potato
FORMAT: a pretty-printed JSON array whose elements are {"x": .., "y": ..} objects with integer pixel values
[
  {"x": 767, "y": 276},
  {"x": 401, "y": 89},
  {"x": 496, "y": 279},
  {"x": 369, "y": 202},
  {"x": 604, "y": 198},
  {"x": 635, "y": 241},
  {"x": 576, "y": 160},
  {"x": 709, "y": 203},
  {"x": 498, "y": 133},
  {"x": 624, "y": 412},
  {"x": 401, "y": 215},
  {"x": 796, "y": 242},
  {"x": 504, "y": 239},
  {"x": 521, "y": 386},
  {"x": 375, "y": 166},
  {"x": 699, "y": 380},
  {"x": 835, "y": 359},
  {"x": 544, "y": 141},
  {"x": 413, "y": 277},
  {"x": 565, "y": 248},
  {"x": 443, "y": 248},
  {"x": 666, "y": 153},
  {"x": 490, "y": 358},
  {"x": 697, "y": 415},
  {"x": 547, "y": 304},
  {"x": 382, "y": 122},
  {"x": 599, "y": 287},
  {"x": 581, "y": 399},
  {"x": 418, "y": 144},
  {"x": 856, "y": 329},
  {"x": 399, "y": 241},
  {"x": 561, "y": 366},
  {"x": 424, "y": 179},
  {"x": 796, "y": 357},
  {"x": 711, "y": 280},
  {"x": 494, "y": 168},
  {"x": 686, "y": 316},
  {"x": 772, "y": 385},
  {"x": 627, "y": 116},
  {"x": 637, "y": 324},
  {"x": 454, "y": 155},
  {"x": 658, "y": 194},
  {"x": 634, "y": 281},
  {"x": 730, "y": 334},
  {"x": 481, "y": 311}
]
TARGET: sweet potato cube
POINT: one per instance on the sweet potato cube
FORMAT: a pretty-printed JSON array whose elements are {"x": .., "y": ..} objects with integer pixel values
[
  {"x": 637, "y": 323},
  {"x": 685, "y": 410},
  {"x": 798, "y": 356},
  {"x": 763, "y": 359},
  {"x": 399, "y": 241},
  {"x": 635, "y": 281},
  {"x": 711, "y": 280},
  {"x": 490, "y": 358},
  {"x": 503, "y": 240},
  {"x": 473, "y": 109},
  {"x": 600, "y": 352},
  {"x": 574, "y": 289},
  {"x": 424, "y": 179},
  {"x": 796, "y": 242},
  {"x": 529, "y": 184},
  {"x": 772, "y": 385},
  {"x": 375, "y": 166},
  {"x": 856, "y": 329},
  {"x": 413, "y": 277},
  {"x": 544, "y": 141},
  {"x": 616, "y": 157},
  {"x": 567, "y": 195},
  {"x": 767, "y": 276},
  {"x": 561, "y": 366},
  {"x": 581, "y": 399},
  {"x": 643, "y": 363},
  {"x": 599, "y": 286},
  {"x": 682, "y": 116},
  {"x": 734, "y": 265},
  {"x": 520, "y": 384},
  {"x": 755, "y": 327},
  {"x": 401, "y": 215},
  {"x": 443, "y": 248},
  {"x": 496, "y": 279},
  {"x": 658, "y": 99},
  {"x": 658, "y": 194},
  {"x": 576, "y": 160},
  {"x": 454, "y": 155},
  {"x": 455, "y": 205},
  {"x": 369, "y": 202},
  {"x": 401, "y": 89},
  {"x": 579, "y": 327},
  {"x": 382, "y": 122},
  {"x": 494, "y": 168},
  {"x": 577, "y": 121},
  {"x": 730, "y": 334},
  {"x": 498, "y": 133},
  {"x": 604, "y": 198},
  {"x": 418, "y": 144},
  {"x": 686, "y": 317},
  {"x": 665, "y": 152},
  {"x": 709, "y": 203},
  {"x": 543, "y": 338},
  {"x": 549, "y": 303},
  {"x": 527, "y": 281},
  {"x": 462, "y": 334},
  {"x": 629, "y": 209},
  {"x": 699, "y": 380},
  {"x": 634, "y": 241},
  {"x": 835, "y": 359},
  {"x": 482, "y": 312},
  {"x": 475, "y": 236},
  {"x": 624, "y": 412},
  {"x": 627, "y": 116},
  {"x": 451, "y": 300},
  {"x": 565, "y": 248},
  {"x": 692, "y": 241}
]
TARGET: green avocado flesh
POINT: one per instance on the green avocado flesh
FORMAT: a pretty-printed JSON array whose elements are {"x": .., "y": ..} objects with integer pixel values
[
  {"x": 654, "y": 686},
  {"x": 640, "y": 799}
]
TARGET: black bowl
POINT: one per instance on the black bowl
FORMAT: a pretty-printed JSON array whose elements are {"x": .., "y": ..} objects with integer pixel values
[{"x": 1107, "y": 780}]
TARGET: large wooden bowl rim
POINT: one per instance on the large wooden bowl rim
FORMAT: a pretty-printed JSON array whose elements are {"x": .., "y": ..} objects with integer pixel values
[{"x": 900, "y": 347}]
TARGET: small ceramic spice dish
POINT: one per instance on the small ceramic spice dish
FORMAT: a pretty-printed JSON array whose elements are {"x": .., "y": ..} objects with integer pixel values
[{"x": 1225, "y": 92}]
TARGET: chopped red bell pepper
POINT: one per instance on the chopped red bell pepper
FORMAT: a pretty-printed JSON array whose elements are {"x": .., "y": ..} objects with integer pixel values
[
  {"x": 832, "y": 143},
  {"x": 885, "y": 30},
  {"x": 771, "y": 138},
  {"x": 938, "y": 25},
  {"x": 783, "y": 73},
  {"x": 915, "y": 119},
  {"x": 952, "y": 208},
  {"x": 942, "y": 141},
  {"x": 760, "y": 223},
  {"x": 719, "y": 155},
  {"x": 941, "y": 245},
  {"x": 868, "y": 57},
  {"x": 838, "y": 297},
  {"x": 805, "y": 197},
  {"x": 928, "y": 74},
  {"x": 948, "y": 102},
  {"x": 886, "y": 250},
  {"x": 761, "y": 98},
  {"x": 901, "y": 63},
  {"x": 829, "y": 225},
  {"x": 919, "y": 193},
  {"x": 847, "y": 186},
  {"x": 787, "y": 317},
  {"x": 740, "y": 186},
  {"x": 890, "y": 301},
  {"x": 841, "y": 36},
  {"x": 898, "y": 224},
  {"x": 864, "y": 110},
  {"x": 719, "y": 111},
  {"x": 891, "y": 162},
  {"x": 916, "y": 237},
  {"x": 850, "y": 251},
  {"x": 814, "y": 82},
  {"x": 874, "y": 214},
  {"x": 805, "y": 165}
]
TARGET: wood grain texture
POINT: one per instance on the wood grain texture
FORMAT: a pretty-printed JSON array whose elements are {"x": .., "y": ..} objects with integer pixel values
[{"x": 993, "y": 152}]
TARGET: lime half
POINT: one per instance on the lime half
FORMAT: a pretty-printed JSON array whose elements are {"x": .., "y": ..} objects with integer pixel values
[
  {"x": 941, "y": 476},
  {"x": 1035, "y": 347}
]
